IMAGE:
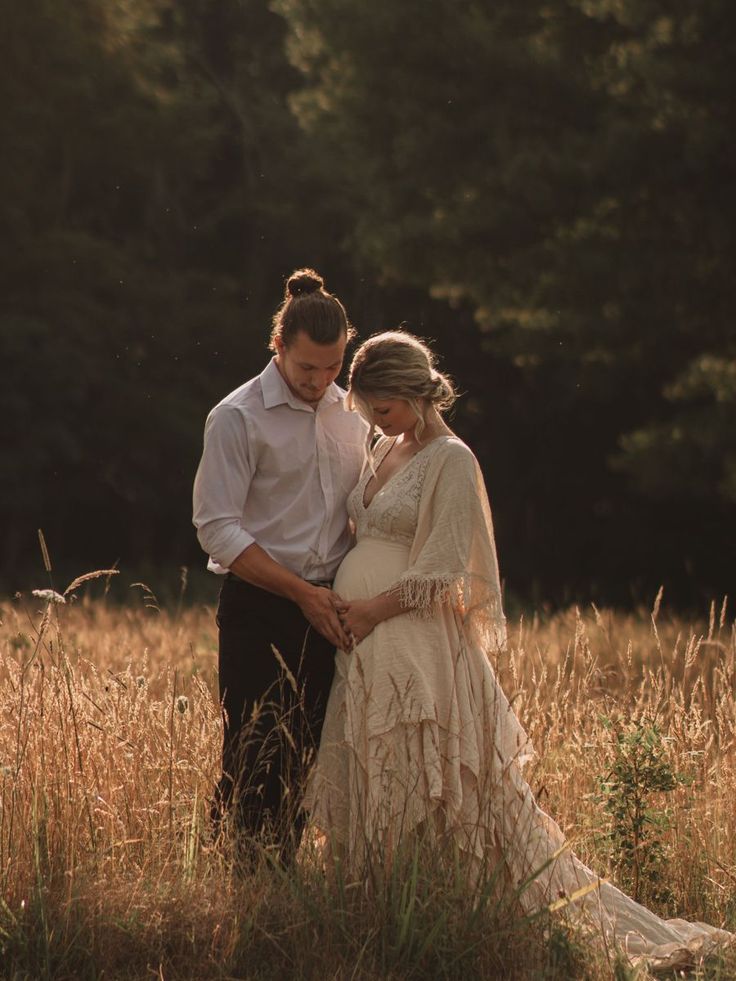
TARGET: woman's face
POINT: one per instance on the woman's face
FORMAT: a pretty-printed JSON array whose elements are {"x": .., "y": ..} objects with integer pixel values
[{"x": 392, "y": 416}]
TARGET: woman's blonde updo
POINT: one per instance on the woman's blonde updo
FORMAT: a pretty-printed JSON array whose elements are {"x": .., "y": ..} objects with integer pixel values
[
  {"x": 309, "y": 307},
  {"x": 398, "y": 365}
]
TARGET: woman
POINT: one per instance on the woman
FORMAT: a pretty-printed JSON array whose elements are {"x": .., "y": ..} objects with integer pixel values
[{"x": 418, "y": 734}]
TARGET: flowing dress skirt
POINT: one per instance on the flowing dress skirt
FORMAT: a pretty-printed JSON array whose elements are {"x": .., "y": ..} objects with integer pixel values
[{"x": 418, "y": 732}]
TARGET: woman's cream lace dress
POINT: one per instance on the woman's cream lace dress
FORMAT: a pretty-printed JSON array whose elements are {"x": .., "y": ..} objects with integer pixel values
[{"x": 418, "y": 731}]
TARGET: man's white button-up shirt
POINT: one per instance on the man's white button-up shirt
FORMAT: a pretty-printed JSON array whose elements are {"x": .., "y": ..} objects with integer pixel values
[{"x": 277, "y": 472}]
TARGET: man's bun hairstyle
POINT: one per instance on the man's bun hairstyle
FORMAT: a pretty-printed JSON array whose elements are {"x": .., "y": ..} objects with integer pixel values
[
  {"x": 302, "y": 282},
  {"x": 308, "y": 307}
]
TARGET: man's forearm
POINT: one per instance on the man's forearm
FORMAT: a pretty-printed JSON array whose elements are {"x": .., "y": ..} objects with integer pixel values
[{"x": 256, "y": 566}]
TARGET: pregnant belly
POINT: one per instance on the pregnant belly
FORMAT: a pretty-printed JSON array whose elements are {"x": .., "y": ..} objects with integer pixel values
[{"x": 370, "y": 568}]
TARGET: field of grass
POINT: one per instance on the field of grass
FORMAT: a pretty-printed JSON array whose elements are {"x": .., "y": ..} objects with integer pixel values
[{"x": 109, "y": 749}]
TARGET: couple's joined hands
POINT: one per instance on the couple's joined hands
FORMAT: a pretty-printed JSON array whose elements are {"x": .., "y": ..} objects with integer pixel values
[
  {"x": 319, "y": 606},
  {"x": 344, "y": 624}
]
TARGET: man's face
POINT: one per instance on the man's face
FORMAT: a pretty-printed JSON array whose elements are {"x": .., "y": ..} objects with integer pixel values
[{"x": 309, "y": 368}]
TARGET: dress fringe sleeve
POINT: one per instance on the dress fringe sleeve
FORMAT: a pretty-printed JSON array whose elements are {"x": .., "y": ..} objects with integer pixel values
[{"x": 453, "y": 556}]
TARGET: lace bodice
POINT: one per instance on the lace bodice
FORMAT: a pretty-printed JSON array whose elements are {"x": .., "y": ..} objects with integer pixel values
[{"x": 393, "y": 511}]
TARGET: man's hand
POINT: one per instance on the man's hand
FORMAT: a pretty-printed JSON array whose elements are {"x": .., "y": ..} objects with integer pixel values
[
  {"x": 319, "y": 606},
  {"x": 316, "y": 603}
]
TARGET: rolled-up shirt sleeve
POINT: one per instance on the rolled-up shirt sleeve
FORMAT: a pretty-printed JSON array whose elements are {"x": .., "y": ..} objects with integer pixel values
[{"x": 221, "y": 486}]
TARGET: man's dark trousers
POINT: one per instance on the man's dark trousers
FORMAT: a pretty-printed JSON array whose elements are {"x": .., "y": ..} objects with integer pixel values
[{"x": 273, "y": 711}]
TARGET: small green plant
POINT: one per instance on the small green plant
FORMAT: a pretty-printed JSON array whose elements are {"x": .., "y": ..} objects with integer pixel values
[
  {"x": 567, "y": 954},
  {"x": 640, "y": 772}
]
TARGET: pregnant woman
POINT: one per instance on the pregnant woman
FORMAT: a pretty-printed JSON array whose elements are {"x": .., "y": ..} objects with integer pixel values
[{"x": 419, "y": 738}]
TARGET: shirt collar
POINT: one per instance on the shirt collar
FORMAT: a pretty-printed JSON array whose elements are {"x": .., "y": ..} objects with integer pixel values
[{"x": 277, "y": 392}]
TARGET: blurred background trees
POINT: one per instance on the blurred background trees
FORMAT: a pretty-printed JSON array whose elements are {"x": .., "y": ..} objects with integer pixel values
[{"x": 544, "y": 189}]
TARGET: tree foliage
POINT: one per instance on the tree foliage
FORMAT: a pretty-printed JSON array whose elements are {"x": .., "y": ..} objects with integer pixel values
[
  {"x": 546, "y": 189},
  {"x": 566, "y": 169},
  {"x": 149, "y": 153}
]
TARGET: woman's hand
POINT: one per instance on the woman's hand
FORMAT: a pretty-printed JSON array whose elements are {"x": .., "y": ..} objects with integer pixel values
[{"x": 359, "y": 617}]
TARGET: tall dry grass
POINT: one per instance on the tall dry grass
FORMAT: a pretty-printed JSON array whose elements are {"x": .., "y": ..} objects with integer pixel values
[{"x": 109, "y": 748}]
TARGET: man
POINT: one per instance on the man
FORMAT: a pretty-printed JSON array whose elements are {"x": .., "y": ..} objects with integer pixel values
[{"x": 280, "y": 456}]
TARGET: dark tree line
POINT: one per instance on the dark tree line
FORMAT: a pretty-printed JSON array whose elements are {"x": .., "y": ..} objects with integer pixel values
[{"x": 545, "y": 189}]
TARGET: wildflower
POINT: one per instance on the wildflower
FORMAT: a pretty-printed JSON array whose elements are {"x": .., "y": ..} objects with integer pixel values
[
  {"x": 50, "y": 595},
  {"x": 182, "y": 703}
]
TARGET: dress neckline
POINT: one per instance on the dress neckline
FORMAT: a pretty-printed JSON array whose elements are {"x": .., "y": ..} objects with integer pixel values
[{"x": 396, "y": 473}]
